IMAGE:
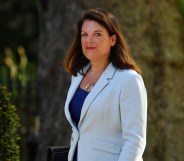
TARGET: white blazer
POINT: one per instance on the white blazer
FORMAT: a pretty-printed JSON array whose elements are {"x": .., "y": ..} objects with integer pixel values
[{"x": 112, "y": 125}]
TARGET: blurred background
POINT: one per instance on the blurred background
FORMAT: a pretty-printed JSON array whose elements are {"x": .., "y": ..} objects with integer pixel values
[{"x": 34, "y": 37}]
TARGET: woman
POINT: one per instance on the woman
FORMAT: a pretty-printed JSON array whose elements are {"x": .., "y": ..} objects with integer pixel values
[{"x": 106, "y": 103}]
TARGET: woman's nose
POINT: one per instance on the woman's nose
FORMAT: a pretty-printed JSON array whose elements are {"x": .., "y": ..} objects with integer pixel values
[{"x": 90, "y": 39}]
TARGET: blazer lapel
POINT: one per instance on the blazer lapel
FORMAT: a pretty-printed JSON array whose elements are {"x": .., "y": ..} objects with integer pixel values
[
  {"x": 74, "y": 85},
  {"x": 99, "y": 86}
]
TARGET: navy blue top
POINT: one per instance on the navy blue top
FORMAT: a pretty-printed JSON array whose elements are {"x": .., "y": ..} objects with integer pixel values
[
  {"x": 75, "y": 108},
  {"x": 77, "y": 103}
]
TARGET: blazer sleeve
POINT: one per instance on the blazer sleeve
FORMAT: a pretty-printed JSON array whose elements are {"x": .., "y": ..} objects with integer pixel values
[{"x": 133, "y": 110}]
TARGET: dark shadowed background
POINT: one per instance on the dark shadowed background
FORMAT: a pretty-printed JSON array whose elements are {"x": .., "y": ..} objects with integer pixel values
[{"x": 34, "y": 37}]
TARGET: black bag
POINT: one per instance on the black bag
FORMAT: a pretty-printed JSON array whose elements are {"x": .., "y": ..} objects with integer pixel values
[{"x": 57, "y": 153}]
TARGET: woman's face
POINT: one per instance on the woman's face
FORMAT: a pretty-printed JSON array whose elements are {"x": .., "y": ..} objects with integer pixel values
[{"x": 96, "y": 42}]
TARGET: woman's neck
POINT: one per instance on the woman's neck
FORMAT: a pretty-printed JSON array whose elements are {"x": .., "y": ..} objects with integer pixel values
[{"x": 98, "y": 67}]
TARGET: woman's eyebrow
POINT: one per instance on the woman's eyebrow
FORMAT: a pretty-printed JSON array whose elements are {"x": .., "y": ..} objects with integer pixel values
[
  {"x": 94, "y": 31},
  {"x": 98, "y": 31}
]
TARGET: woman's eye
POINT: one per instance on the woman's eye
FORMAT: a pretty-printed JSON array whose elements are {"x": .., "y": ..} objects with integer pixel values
[
  {"x": 83, "y": 35},
  {"x": 97, "y": 34}
]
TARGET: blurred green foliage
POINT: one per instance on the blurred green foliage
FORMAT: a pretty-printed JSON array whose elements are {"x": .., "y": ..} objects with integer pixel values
[
  {"x": 182, "y": 8},
  {"x": 19, "y": 76},
  {"x": 9, "y": 122},
  {"x": 17, "y": 69},
  {"x": 18, "y": 61}
]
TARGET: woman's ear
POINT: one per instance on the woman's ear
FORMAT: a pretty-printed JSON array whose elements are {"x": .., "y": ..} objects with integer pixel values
[{"x": 113, "y": 40}]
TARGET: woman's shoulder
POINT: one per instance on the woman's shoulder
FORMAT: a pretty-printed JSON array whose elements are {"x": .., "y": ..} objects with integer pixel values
[
  {"x": 129, "y": 77},
  {"x": 128, "y": 73}
]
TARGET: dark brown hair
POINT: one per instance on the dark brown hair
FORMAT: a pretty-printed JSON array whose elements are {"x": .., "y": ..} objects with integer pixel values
[{"x": 120, "y": 56}]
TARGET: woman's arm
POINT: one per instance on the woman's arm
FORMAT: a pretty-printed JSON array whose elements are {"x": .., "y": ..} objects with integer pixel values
[{"x": 133, "y": 108}]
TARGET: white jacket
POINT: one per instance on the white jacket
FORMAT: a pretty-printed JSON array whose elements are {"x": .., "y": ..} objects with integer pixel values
[{"x": 112, "y": 125}]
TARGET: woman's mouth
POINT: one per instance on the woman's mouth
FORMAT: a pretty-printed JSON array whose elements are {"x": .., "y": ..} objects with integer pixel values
[{"x": 90, "y": 48}]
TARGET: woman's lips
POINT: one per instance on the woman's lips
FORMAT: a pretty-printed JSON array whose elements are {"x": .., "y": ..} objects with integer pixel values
[{"x": 90, "y": 48}]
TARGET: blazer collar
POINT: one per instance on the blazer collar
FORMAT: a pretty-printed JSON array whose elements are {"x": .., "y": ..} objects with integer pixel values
[{"x": 99, "y": 86}]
